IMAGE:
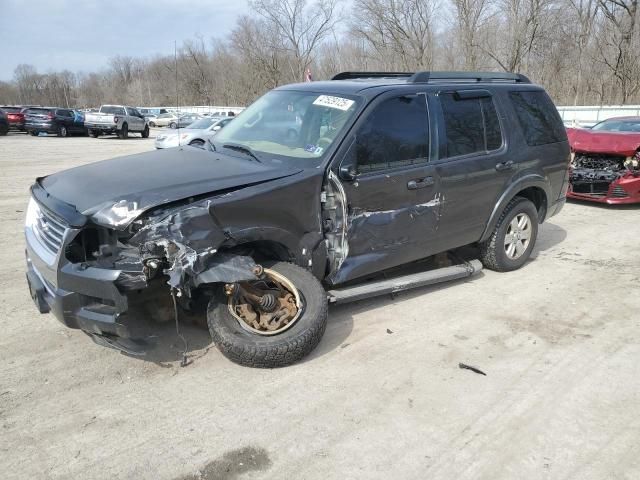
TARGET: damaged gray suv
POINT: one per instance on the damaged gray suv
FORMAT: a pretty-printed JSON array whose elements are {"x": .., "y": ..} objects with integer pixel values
[{"x": 313, "y": 195}]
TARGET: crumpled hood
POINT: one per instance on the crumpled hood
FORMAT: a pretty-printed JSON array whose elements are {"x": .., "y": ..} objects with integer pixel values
[
  {"x": 615, "y": 143},
  {"x": 114, "y": 192}
]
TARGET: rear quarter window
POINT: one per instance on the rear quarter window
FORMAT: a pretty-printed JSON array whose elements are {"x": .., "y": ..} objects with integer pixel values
[{"x": 540, "y": 121}]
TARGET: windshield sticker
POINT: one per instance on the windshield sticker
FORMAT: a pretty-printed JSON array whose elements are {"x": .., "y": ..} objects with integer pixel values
[
  {"x": 318, "y": 151},
  {"x": 333, "y": 102}
]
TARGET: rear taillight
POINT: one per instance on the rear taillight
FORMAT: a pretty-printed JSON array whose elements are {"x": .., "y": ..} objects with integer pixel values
[{"x": 51, "y": 115}]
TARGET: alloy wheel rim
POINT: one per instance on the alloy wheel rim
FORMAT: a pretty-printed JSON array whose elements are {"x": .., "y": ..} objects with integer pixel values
[{"x": 518, "y": 236}]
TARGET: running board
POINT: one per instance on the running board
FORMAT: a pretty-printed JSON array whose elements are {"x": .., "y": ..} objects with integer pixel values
[{"x": 407, "y": 282}]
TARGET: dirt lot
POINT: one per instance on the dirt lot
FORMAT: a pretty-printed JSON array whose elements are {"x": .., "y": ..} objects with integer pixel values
[{"x": 382, "y": 396}]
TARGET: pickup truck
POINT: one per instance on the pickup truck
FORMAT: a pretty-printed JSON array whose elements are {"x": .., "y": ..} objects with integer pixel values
[{"x": 117, "y": 119}]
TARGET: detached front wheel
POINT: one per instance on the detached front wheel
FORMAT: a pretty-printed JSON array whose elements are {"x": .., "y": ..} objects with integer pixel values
[{"x": 271, "y": 322}]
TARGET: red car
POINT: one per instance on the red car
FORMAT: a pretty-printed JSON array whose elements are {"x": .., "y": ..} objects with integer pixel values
[
  {"x": 605, "y": 164},
  {"x": 15, "y": 116}
]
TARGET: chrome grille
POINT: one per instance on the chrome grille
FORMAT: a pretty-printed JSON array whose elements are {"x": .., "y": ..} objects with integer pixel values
[{"x": 50, "y": 229}]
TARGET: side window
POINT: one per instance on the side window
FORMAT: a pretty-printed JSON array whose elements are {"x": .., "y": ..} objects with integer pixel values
[
  {"x": 396, "y": 133},
  {"x": 538, "y": 117},
  {"x": 471, "y": 124}
]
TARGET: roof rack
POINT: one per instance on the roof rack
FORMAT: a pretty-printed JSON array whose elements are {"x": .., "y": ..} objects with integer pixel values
[
  {"x": 432, "y": 77},
  {"x": 354, "y": 75}
]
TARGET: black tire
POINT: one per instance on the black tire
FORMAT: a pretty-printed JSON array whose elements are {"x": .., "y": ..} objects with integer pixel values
[
  {"x": 124, "y": 131},
  {"x": 173, "y": 125},
  {"x": 493, "y": 253},
  {"x": 62, "y": 131},
  {"x": 145, "y": 132},
  {"x": 94, "y": 133},
  {"x": 152, "y": 124},
  {"x": 197, "y": 143},
  {"x": 253, "y": 350},
  {"x": 33, "y": 133},
  {"x": 4, "y": 131}
]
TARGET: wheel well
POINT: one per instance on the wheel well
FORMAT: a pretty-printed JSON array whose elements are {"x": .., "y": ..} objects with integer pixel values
[
  {"x": 538, "y": 197},
  {"x": 261, "y": 250}
]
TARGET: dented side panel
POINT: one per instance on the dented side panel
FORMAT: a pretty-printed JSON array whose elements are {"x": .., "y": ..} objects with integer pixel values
[{"x": 389, "y": 224}]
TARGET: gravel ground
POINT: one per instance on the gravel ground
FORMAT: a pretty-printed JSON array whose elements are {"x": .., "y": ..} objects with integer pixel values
[{"x": 382, "y": 397}]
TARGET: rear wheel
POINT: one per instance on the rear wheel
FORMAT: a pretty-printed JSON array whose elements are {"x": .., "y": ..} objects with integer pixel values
[
  {"x": 94, "y": 133},
  {"x": 173, "y": 125},
  {"x": 145, "y": 132},
  {"x": 33, "y": 133},
  {"x": 152, "y": 124},
  {"x": 62, "y": 131},
  {"x": 271, "y": 322},
  {"x": 513, "y": 238},
  {"x": 124, "y": 132}
]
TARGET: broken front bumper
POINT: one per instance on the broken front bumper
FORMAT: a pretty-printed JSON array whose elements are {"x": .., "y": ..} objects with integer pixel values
[
  {"x": 624, "y": 190},
  {"x": 80, "y": 297}
]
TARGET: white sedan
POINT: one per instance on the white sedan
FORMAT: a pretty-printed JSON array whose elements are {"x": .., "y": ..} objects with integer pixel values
[{"x": 195, "y": 134}]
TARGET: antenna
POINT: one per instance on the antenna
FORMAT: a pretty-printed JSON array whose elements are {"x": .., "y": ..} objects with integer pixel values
[{"x": 175, "y": 59}]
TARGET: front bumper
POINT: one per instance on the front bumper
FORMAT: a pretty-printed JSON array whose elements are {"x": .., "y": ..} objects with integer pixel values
[
  {"x": 80, "y": 297},
  {"x": 623, "y": 191}
]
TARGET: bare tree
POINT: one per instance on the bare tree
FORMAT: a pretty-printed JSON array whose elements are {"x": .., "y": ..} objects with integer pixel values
[
  {"x": 300, "y": 27},
  {"x": 620, "y": 44},
  {"x": 470, "y": 18},
  {"x": 401, "y": 32}
]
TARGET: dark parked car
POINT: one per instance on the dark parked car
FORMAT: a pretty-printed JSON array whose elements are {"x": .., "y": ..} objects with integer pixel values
[
  {"x": 4, "y": 123},
  {"x": 58, "y": 121},
  {"x": 15, "y": 116},
  {"x": 259, "y": 232}
]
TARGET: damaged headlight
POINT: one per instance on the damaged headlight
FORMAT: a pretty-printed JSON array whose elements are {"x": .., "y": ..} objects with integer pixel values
[{"x": 117, "y": 214}]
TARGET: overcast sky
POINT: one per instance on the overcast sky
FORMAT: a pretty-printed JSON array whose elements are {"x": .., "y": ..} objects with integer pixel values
[{"x": 81, "y": 35}]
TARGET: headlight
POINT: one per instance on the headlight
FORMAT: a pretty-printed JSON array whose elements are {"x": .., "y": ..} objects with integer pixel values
[
  {"x": 33, "y": 213},
  {"x": 117, "y": 214}
]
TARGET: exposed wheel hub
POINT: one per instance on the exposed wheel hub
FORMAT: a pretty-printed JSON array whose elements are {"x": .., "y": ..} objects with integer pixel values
[{"x": 266, "y": 306}]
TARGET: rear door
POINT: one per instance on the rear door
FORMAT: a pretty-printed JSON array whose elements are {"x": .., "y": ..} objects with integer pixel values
[
  {"x": 389, "y": 186},
  {"x": 472, "y": 165}
]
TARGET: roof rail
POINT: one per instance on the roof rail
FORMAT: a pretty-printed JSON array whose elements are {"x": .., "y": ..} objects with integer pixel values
[
  {"x": 427, "y": 77},
  {"x": 354, "y": 75}
]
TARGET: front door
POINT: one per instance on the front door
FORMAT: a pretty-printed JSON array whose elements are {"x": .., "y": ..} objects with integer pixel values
[{"x": 390, "y": 188}]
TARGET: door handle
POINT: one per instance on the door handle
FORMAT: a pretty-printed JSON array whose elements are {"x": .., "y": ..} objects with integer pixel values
[
  {"x": 504, "y": 165},
  {"x": 420, "y": 183}
]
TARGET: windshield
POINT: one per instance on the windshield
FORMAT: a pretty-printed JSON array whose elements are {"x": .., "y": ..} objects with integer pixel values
[
  {"x": 292, "y": 124},
  {"x": 618, "y": 126},
  {"x": 202, "y": 123}
]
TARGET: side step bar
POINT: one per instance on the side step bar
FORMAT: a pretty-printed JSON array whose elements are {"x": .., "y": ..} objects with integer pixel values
[{"x": 407, "y": 282}]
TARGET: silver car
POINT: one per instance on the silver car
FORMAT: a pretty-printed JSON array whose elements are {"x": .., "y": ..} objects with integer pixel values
[{"x": 195, "y": 134}]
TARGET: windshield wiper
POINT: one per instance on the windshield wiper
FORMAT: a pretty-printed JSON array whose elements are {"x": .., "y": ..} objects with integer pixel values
[
  {"x": 212, "y": 146},
  {"x": 243, "y": 149}
]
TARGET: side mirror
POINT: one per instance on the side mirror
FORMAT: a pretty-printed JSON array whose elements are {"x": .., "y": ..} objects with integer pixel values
[
  {"x": 216, "y": 128},
  {"x": 348, "y": 172}
]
